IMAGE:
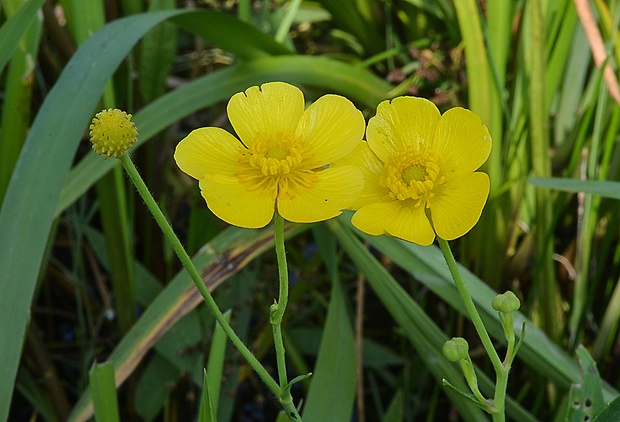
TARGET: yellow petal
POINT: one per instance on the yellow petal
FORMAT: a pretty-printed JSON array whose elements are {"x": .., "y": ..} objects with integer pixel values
[
  {"x": 372, "y": 169},
  {"x": 232, "y": 202},
  {"x": 273, "y": 110},
  {"x": 209, "y": 150},
  {"x": 335, "y": 189},
  {"x": 462, "y": 141},
  {"x": 402, "y": 124},
  {"x": 457, "y": 205},
  {"x": 332, "y": 127},
  {"x": 395, "y": 218}
]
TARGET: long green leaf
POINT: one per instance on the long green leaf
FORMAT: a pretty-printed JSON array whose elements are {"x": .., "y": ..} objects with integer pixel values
[
  {"x": 332, "y": 388},
  {"x": 15, "y": 27},
  {"x": 611, "y": 413},
  {"x": 215, "y": 365},
  {"x": 17, "y": 90},
  {"x": 104, "y": 392},
  {"x": 605, "y": 189}
]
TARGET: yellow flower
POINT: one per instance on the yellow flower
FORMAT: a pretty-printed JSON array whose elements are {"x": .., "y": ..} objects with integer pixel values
[
  {"x": 112, "y": 132},
  {"x": 420, "y": 171},
  {"x": 282, "y": 159}
]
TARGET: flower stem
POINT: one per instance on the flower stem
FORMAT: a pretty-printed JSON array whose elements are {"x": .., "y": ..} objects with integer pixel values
[
  {"x": 276, "y": 317},
  {"x": 279, "y": 307},
  {"x": 143, "y": 190},
  {"x": 501, "y": 371}
]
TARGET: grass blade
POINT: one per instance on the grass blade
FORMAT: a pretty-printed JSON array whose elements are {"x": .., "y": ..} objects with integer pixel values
[
  {"x": 332, "y": 387},
  {"x": 104, "y": 392},
  {"x": 17, "y": 92},
  {"x": 604, "y": 188},
  {"x": 15, "y": 27},
  {"x": 215, "y": 366}
]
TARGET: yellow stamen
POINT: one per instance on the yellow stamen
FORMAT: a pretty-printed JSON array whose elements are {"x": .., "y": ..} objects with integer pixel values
[
  {"x": 276, "y": 166},
  {"x": 412, "y": 174}
]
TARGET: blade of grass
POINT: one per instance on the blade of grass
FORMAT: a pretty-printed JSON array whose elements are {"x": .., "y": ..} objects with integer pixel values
[
  {"x": 586, "y": 228},
  {"x": 606, "y": 189},
  {"x": 215, "y": 366},
  {"x": 104, "y": 392},
  {"x": 485, "y": 70},
  {"x": 287, "y": 21},
  {"x": 15, "y": 118},
  {"x": 549, "y": 299},
  {"x": 357, "y": 21},
  {"x": 15, "y": 27},
  {"x": 157, "y": 52},
  {"x": 205, "y": 413}
]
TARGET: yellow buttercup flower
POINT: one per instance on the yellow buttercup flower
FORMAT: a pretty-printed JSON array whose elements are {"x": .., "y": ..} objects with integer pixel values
[
  {"x": 112, "y": 132},
  {"x": 420, "y": 171},
  {"x": 282, "y": 160}
]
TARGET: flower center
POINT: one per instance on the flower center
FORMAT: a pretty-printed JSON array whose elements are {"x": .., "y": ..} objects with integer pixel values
[
  {"x": 416, "y": 172},
  {"x": 413, "y": 175},
  {"x": 276, "y": 165}
]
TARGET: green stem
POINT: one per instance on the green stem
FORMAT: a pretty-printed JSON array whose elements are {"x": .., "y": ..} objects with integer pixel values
[
  {"x": 133, "y": 174},
  {"x": 278, "y": 309},
  {"x": 500, "y": 371}
]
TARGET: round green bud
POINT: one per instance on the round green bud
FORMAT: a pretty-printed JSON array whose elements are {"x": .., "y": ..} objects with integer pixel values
[
  {"x": 455, "y": 349},
  {"x": 506, "y": 302}
]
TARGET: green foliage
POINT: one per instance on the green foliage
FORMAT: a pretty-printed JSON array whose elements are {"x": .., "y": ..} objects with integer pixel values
[
  {"x": 85, "y": 276},
  {"x": 585, "y": 399}
]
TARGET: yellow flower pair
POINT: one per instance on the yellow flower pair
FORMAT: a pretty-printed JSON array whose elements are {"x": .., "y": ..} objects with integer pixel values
[{"x": 414, "y": 176}]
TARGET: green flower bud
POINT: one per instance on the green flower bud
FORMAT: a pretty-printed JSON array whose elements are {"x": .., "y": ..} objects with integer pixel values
[
  {"x": 506, "y": 303},
  {"x": 455, "y": 349}
]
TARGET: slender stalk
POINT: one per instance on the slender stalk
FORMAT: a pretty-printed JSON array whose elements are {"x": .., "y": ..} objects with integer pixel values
[
  {"x": 280, "y": 306},
  {"x": 277, "y": 314},
  {"x": 133, "y": 174},
  {"x": 500, "y": 370}
]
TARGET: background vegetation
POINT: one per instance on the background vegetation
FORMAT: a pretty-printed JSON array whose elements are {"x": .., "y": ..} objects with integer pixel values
[{"x": 86, "y": 277}]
